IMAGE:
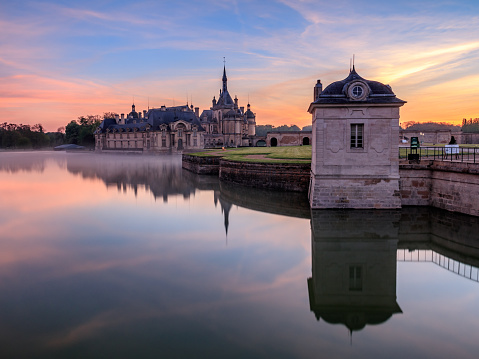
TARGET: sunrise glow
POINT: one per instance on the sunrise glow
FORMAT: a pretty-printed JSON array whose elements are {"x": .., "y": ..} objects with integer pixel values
[{"x": 61, "y": 60}]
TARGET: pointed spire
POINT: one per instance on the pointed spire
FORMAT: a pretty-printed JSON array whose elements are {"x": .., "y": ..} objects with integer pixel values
[{"x": 225, "y": 79}]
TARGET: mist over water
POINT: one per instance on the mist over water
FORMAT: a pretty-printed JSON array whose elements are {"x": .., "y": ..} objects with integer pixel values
[{"x": 131, "y": 256}]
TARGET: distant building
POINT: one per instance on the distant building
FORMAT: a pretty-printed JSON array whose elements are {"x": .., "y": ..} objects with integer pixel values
[
  {"x": 165, "y": 129},
  {"x": 226, "y": 123},
  {"x": 288, "y": 138}
]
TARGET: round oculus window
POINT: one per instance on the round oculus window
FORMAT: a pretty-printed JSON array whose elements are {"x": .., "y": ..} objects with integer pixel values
[{"x": 357, "y": 91}]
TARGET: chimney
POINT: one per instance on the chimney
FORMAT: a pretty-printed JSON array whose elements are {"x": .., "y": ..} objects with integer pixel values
[
  {"x": 139, "y": 114},
  {"x": 197, "y": 111},
  {"x": 122, "y": 118},
  {"x": 242, "y": 109},
  {"x": 117, "y": 118},
  {"x": 317, "y": 90},
  {"x": 144, "y": 114}
]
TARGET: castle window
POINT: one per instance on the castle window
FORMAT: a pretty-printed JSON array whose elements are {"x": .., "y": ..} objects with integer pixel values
[
  {"x": 357, "y": 130},
  {"x": 180, "y": 132}
]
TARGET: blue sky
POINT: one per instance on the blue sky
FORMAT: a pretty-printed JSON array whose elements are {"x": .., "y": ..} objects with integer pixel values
[{"x": 63, "y": 59}]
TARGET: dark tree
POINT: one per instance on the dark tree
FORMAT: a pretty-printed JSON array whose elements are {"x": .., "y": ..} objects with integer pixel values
[{"x": 80, "y": 132}]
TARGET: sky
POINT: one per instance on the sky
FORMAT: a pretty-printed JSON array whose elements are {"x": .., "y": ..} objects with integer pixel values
[{"x": 63, "y": 59}]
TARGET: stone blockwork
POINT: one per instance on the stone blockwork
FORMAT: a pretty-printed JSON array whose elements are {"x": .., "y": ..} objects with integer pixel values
[
  {"x": 356, "y": 193},
  {"x": 415, "y": 184},
  {"x": 447, "y": 185},
  {"x": 278, "y": 176},
  {"x": 288, "y": 138},
  {"x": 202, "y": 165}
]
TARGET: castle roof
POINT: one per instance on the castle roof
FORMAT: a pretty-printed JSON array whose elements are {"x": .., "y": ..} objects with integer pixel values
[
  {"x": 225, "y": 99},
  {"x": 155, "y": 118}
]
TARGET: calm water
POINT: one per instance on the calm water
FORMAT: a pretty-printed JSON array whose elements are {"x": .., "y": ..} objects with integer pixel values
[{"x": 132, "y": 257}]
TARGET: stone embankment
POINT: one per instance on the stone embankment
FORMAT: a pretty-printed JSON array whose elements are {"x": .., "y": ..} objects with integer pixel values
[
  {"x": 271, "y": 175},
  {"x": 452, "y": 186}
]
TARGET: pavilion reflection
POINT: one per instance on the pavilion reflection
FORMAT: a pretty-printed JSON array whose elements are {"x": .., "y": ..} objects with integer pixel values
[
  {"x": 355, "y": 255},
  {"x": 354, "y": 266}
]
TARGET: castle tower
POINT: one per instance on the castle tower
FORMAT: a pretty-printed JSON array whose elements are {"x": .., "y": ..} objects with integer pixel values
[
  {"x": 354, "y": 151},
  {"x": 251, "y": 119}
]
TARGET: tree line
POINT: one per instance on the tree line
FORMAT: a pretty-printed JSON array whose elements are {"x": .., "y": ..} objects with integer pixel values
[
  {"x": 471, "y": 125},
  {"x": 468, "y": 126},
  {"x": 23, "y": 136},
  {"x": 79, "y": 132},
  {"x": 429, "y": 126}
]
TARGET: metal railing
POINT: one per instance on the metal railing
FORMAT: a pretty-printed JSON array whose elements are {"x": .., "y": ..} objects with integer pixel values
[
  {"x": 427, "y": 255},
  {"x": 458, "y": 154}
]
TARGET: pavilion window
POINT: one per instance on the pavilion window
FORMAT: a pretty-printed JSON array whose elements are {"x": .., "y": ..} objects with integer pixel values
[
  {"x": 355, "y": 278},
  {"x": 357, "y": 133}
]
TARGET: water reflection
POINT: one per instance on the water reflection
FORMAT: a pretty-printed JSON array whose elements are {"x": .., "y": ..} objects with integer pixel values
[
  {"x": 355, "y": 254},
  {"x": 354, "y": 267},
  {"x": 122, "y": 256}
]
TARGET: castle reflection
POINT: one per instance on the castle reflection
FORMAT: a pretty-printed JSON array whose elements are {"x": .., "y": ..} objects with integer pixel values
[{"x": 164, "y": 177}]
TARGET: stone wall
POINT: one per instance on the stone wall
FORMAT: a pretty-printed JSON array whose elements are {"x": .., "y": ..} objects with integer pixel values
[
  {"x": 439, "y": 136},
  {"x": 288, "y": 138},
  {"x": 453, "y": 186},
  {"x": 278, "y": 176},
  {"x": 415, "y": 184},
  {"x": 356, "y": 193},
  {"x": 202, "y": 165}
]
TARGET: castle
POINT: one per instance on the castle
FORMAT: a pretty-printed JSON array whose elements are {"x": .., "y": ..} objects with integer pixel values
[
  {"x": 179, "y": 128},
  {"x": 226, "y": 123}
]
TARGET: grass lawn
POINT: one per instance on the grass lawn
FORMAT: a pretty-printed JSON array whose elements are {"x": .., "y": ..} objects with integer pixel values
[{"x": 287, "y": 154}]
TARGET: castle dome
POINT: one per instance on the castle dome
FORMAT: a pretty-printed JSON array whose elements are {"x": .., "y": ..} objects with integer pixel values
[
  {"x": 232, "y": 114},
  {"x": 355, "y": 88}
]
